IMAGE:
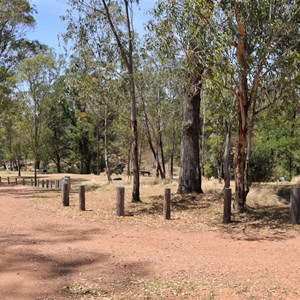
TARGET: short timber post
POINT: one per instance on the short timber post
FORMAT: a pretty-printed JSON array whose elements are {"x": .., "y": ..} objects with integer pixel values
[
  {"x": 8, "y": 181},
  {"x": 227, "y": 206},
  {"x": 65, "y": 193},
  {"x": 120, "y": 205},
  {"x": 167, "y": 204},
  {"x": 31, "y": 182},
  {"x": 43, "y": 183},
  {"x": 23, "y": 180},
  {"x": 295, "y": 205},
  {"x": 82, "y": 197},
  {"x": 47, "y": 184},
  {"x": 16, "y": 181},
  {"x": 51, "y": 184},
  {"x": 68, "y": 180},
  {"x": 0, "y": 179}
]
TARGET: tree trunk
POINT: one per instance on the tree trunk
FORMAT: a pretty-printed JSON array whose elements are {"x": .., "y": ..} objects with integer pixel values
[
  {"x": 129, "y": 161},
  {"x": 158, "y": 167},
  {"x": 58, "y": 166},
  {"x": 36, "y": 167},
  {"x": 190, "y": 171},
  {"x": 107, "y": 167},
  {"x": 226, "y": 164},
  {"x": 160, "y": 143},
  {"x": 134, "y": 132},
  {"x": 141, "y": 147},
  {"x": 243, "y": 103},
  {"x": 135, "y": 163},
  {"x": 240, "y": 188},
  {"x": 172, "y": 154},
  {"x": 203, "y": 139},
  {"x": 98, "y": 150},
  {"x": 19, "y": 167}
]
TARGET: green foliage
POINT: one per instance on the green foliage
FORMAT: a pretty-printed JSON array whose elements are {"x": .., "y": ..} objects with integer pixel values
[{"x": 262, "y": 165}]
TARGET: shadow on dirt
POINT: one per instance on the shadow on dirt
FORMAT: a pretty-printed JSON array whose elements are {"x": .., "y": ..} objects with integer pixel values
[
  {"x": 52, "y": 256},
  {"x": 154, "y": 204},
  {"x": 285, "y": 193}
]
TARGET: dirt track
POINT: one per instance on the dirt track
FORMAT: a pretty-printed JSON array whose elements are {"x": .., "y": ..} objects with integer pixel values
[{"x": 42, "y": 255}]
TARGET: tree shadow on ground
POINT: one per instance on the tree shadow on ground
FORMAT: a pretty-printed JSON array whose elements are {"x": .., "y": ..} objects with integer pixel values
[
  {"x": 267, "y": 222},
  {"x": 285, "y": 193},
  {"x": 154, "y": 204},
  {"x": 24, "y": 255}
]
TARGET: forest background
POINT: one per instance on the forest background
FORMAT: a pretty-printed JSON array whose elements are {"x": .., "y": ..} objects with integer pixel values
[{"x": 212, "y": 86}]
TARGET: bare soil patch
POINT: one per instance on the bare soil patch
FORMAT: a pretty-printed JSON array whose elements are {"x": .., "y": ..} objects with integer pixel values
[{"x": 53, "y": 252}]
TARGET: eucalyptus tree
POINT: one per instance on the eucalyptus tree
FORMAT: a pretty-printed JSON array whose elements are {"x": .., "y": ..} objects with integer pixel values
[
  {"x": 218, "y": 119},
  {"x": 252, "y": 39},
  {"x": 36, "y": 76},
  {"x": 16, "y": 16},
  {"x": 160, "y": 105},
  {"x": 96, "y": 21},
  {"x": 58, "y": 137},
  {"x": 177, "y": 24}
]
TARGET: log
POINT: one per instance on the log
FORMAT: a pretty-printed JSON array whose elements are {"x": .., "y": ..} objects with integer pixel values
[
  {"x": 65, "y": 194},
  {"x": 295, "y": 205},
  {"x": 167, "y": 204},
  {"x": 82, "y": 197},
  {"x": 120, "y": 204},
  {"x": 227, "y": 206}
]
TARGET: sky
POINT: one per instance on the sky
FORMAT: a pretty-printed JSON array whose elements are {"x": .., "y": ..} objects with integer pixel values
[{"x": 49, "y": 26}]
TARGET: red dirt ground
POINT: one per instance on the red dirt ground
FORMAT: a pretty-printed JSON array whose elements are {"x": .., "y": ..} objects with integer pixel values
[{"x": 42, "y": 255}]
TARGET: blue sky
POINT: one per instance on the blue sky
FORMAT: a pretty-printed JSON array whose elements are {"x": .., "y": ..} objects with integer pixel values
[{"x": 49, "y": 26}]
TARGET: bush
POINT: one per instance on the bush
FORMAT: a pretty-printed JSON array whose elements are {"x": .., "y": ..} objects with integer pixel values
[{"x": 261, "y": 165}]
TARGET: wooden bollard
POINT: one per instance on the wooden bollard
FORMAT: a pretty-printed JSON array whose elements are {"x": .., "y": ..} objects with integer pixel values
[
  {"x": 51, "y": 184},
  {"x": 167, "y": 204},
  {"x": 43, "y": 183},
  {"x": 65, "y": 194},
  {"x": 82, "y": 197},
  {"x": 227, "y": 206},
  {"x": 16, "y": 181},
  {"x": 120, "y": 204},
  {"x": 0, "y": 179},
  {"x": 47, "y": 184},
  {"x": 31, "y": 181},
  {"x": 38, "y": 183},
  {"x": 8, "y": 180},
  {"x": 68, "y": 180},
  {"x": 295, "y": 205},
  {"x": 23, "y": 181}
]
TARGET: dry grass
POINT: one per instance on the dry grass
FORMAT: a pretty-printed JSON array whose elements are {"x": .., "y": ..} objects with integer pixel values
[
  {"x": 267, "y": 204},
  {"x": 175, "y": 288}
]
